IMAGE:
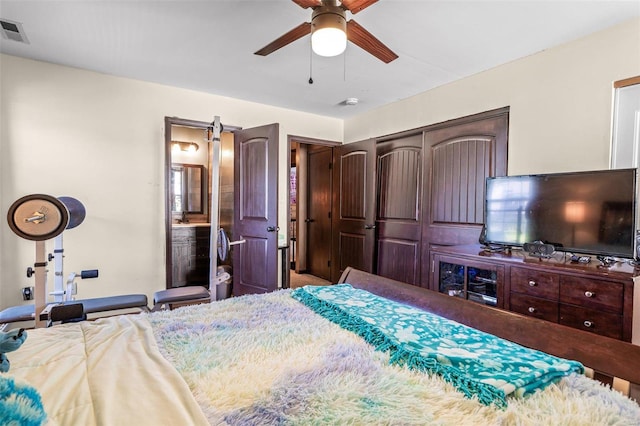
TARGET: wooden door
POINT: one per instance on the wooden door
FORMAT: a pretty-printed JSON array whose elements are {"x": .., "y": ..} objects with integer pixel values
[
  {"x": 255, "y": 262},
  {"x": 458, "y": 157},
  {"x": 398, "y": 211},
  {"x": 353, "y": 210},
  {"x": 318, "y": 220}
]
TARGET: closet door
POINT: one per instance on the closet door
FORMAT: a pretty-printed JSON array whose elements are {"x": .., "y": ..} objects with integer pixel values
[
  {"x": 353, "y": 210},
  {"x": 398, "y": 211},
  {"x": 459, "y": 156}
]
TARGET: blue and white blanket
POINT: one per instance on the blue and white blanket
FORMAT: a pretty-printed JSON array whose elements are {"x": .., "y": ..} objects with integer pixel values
[
  {"x": 266, "y": 360},
  {"x": 478, "y": 364},
  {"x": 270, "y": 360}
]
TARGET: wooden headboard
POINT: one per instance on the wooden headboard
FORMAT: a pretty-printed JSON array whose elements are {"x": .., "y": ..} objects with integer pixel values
[{"x": 607, "y": 356}]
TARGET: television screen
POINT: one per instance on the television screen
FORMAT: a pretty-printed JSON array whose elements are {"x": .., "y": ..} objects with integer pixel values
[{"x": 582, "y": 212}]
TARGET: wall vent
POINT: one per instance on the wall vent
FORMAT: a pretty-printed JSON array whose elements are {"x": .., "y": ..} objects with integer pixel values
[{"x": 13, "y": 31}]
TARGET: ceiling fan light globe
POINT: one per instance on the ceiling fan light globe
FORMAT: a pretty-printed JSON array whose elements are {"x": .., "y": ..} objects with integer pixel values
[
  {"x": 328, "y": 30},
  {"x": 328, "y": 41}
]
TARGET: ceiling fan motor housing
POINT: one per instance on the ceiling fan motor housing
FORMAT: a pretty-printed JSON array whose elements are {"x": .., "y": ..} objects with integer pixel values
[
  {"x": 329, "y": 23},
  {"x": 329, "y": 17}
]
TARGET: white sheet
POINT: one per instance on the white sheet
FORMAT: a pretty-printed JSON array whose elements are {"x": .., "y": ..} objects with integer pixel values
[{"x": 97, "y": 373}]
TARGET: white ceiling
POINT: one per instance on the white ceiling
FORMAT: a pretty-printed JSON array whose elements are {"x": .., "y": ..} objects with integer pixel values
[{"x": 208, "y": 45}]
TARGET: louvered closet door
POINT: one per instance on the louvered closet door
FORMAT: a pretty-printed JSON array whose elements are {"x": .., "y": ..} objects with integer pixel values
[
  {"x": 399, "y": 177},
  {"x": 459, "y": 157}
]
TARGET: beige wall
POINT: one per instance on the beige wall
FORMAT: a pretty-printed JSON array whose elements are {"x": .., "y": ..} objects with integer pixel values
[
  {"x": 100, "y": 139},
  {"x": 560, "y": 102}
]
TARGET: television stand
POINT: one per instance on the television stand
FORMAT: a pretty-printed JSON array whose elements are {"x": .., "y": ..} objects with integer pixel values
[{"x": 586, "y": 296}]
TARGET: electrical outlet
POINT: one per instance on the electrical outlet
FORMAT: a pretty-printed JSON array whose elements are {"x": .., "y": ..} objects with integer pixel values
[{"x": 27, "y": 293}]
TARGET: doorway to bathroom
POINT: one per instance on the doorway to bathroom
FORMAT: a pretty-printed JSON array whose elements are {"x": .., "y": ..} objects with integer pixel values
[
  {"x": 188, "y": 199},
  {"x": 247, "y": 204}
]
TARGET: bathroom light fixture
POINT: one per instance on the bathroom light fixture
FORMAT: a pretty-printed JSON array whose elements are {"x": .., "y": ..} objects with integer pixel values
[
  {"x": 184, "y": 146},
  {"x": 328, "y": 31}
]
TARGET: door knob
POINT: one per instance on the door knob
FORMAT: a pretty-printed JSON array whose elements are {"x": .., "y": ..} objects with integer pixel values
[
  {"x": 272, "y": 228},
  {"x": 309, "y": 220}
]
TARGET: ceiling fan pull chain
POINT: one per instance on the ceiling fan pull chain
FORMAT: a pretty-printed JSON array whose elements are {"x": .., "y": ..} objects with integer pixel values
[
  {"x": 344, "y": 64},
  {"x": 310, "y": 63}
]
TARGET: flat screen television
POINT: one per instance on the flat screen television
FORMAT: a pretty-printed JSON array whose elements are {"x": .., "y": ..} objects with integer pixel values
[{"x": 583, "y": 212}]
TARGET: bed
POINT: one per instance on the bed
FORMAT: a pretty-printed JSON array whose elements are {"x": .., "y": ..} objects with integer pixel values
[{"x": 270, "y": 359}]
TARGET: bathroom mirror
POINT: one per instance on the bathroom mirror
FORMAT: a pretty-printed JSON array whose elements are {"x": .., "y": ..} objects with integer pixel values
[{"x": 187, "y": 188}]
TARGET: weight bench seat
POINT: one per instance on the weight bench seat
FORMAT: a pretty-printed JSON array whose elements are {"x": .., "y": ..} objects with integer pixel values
[
  {"x": 17, "y": 314},
  {"x": 99, "y": 304},
  {"x": 176, "y": 295},
  {"x": 112, "y": 303}
]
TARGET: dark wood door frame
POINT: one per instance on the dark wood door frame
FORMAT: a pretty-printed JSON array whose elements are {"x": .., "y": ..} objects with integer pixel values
[
  {"x": 301, "y": 193},
  {"x": 168, "y": 123}
]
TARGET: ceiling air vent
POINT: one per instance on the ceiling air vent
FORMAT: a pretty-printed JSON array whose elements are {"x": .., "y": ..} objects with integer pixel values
[{"x": 13, "y": 31}]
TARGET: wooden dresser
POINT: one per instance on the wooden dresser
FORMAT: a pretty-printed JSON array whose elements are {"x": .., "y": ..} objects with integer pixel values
[{"x": 587, "y": 296}]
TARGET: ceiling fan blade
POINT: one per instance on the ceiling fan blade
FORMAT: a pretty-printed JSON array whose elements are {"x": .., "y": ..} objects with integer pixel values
[
  {"x": 308, "y": 3},
  {"x": 355, "y": 6},
  {"x": 364, "y": 39},
  {"x": 299, "y": 31}
]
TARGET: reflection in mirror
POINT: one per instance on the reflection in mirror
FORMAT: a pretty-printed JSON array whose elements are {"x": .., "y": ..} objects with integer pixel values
[{"x": 187, "y": 188}]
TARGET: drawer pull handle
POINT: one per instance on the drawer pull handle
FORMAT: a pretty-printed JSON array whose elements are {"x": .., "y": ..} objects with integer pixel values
[
  {"x": 589, "y": 293},
  {"x": 588, "y": 324},
  {"x": 532, "y": 283},
  {"x": 532, "y": 309}
]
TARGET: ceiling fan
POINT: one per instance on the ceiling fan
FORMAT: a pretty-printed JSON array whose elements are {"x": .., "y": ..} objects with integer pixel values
[{"x": 330, "y": 30}]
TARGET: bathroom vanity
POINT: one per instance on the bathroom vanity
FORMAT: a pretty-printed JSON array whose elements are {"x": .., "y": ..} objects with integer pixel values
[{"x": 190, "y": 254}]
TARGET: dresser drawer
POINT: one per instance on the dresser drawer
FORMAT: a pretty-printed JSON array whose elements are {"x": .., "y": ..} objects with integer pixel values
[
  {"x": 534, "y": 307},
  {"x": 592, "y": 320},
  {"x": 535, "y": 283},
  {"x": 593, "y": 294}
]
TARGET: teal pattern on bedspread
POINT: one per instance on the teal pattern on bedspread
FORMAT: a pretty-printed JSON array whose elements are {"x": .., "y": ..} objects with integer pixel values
[
  {"x": 476, "y": 363},
  {"x": 20, "y": 403}
]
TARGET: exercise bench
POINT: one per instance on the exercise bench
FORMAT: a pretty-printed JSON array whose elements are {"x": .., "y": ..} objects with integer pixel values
[
  {"x": 180, "y": 296},
  {"x": 91, "y": 306}
]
